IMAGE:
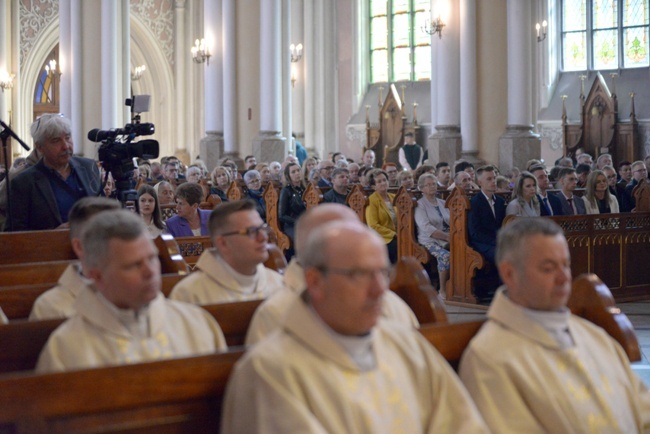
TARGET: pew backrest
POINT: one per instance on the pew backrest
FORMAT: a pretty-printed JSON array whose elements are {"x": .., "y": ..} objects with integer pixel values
[
  {"x": 358, "y": 201},
  {"x": 35, "y": 246},
  {"x": 271, "y": 199}
]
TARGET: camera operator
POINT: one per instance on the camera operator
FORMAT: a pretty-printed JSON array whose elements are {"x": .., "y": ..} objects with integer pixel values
[{"x": 43, "y": 194}]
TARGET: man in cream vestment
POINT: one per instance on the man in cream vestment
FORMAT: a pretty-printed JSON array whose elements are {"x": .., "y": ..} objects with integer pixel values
[
  {"x": 233, "y": 270},
  {"x": 124, "y": 318},
  {"x": 58, "y": 302},
  {"x": 335, "y": 366},
  {"x": 536, "y": 368},
  {"x": 269, "y": 315}
]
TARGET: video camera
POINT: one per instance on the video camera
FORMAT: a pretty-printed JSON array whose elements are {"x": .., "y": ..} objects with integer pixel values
[{"x": 118, "y": 150}]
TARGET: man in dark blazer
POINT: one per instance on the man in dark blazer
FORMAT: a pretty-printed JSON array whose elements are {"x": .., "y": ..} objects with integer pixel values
[
  {"x": 568, "y": 182},
  {"x": 549, "y": 204},
  {"x": 486, "y": 214},
  {"x": 42, "y": 195}
]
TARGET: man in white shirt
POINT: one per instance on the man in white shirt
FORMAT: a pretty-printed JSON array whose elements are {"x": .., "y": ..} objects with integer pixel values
[
  {"x": 534, "y": 367},
  {"x": 233, "y": 270},
  {"x": 337, "y": 366},
  {"x": 124, "y": 318},
  {"x": 58, "y": 302},
  {"x": 269, "y": 316}
]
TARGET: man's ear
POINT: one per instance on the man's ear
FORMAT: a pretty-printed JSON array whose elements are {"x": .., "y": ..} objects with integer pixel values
[
  {"x": 314, "y": 279},
  {"x": 77, "y": 247},
  {"x": 96, "y": 275},
  {"x": 507, "y": 272}
]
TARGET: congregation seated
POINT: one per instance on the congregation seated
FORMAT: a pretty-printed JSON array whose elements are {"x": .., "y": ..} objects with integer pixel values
[
  {"x": 233, "y": 269},
  {"x": 333, "y": 336},
  {"x": 380, "y": 213},
  {"x": 525, "y": 202},
  {"x": 639, "y": 173},
  {"x": 486, "y": 214},
  {"x": 405, "y": 179},
  {"x": 255, "y": 191},
  {"x": 535, "y": 367},
  {"x": 124, "y": 318},
  {"x": 571, "y": 203},
  {"x": 549, "y": 204},
  {"x": 268, "y": 317},
  {"x": 221, "y": 181},
  {"x": 189, "y": 220},
  {"x": 291, "y": 204},
  {"x": 325, "y": 169},
  {"x": 463, "y": 180},
  {"x": 432, "y": 221},
  {"x": 59, "y": 301},
  {"x": 339, "y": 191},
  {"x": 165, "y": 193},
  {"x": 598, "y": 198},
  {"x": 353, "y": 169},
  {"x": 149, "y": 210}
]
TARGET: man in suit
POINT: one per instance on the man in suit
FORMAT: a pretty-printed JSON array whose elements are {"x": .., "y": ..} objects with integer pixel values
[
  {"x": 486, "y": 214},
  {"x": 550, "y": 204},
  {"x": 325, "y": 169},
  {"x": 571, "y": 204},
  {"x": 42, "y": 195},
  {"x": 639, "y": 172}
]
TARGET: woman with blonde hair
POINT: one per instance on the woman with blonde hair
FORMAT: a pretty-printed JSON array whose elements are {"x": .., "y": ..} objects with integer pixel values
[
  {"x": 265, "y": 172},
  {"x": 308, "y": 165},
  {"x": 597, "y": 197},
  {"x": 380, "y": 213},
  {"x": 524, "y": 197},
  {"x": 220, "y": 182}
]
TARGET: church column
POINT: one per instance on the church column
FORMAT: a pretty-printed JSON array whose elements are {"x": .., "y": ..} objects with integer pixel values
[
  {"x": 109, "y": 54},
  {"x": 519, "y": 143},
  {"x": 270, "y": 145},
  {"x": 5, "y": 62},
  {"x": 229, "y": 47},
  {"x": 180, "y": 79},
  {"x": 212, "y": 144},
  {"x": 445, "y": 144},
  {"x": 468, "y": 80},
  {"x": 285, "y": 56},
  {"x": 298, "y": 88}
]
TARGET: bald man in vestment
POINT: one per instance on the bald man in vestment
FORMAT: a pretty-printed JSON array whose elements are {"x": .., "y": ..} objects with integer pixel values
[
  {"x": 337, "y": 366},
  {"x": 123, "y": 317},
  {"x": 536, "y": 368},
  {"x": 269, "y": 315}
]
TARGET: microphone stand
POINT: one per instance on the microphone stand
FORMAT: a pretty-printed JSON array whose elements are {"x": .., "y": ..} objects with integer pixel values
[{"x": 4, "y": 136}]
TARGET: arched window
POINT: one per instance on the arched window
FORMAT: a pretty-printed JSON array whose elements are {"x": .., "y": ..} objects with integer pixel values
[
  {"x": 399, "y": 49},
  {"x": 605, "y": 34},
  {"x": 46, "y": 94}
]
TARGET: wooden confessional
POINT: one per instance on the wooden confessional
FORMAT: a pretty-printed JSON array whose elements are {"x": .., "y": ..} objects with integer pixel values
[{"x": 600, "y": 131}]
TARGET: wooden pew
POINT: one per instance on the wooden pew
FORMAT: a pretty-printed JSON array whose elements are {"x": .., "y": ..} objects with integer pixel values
[
  {"x": 411, "y": 283},
  {"x": 181, "y": 395},
  {"x": 33, "y": 273},
  {"x": 312, "y": 196},
  {"x": 358, "y": 201},
  {"x": 271, "y": 199},
  {"x": 35, "y": 246}
]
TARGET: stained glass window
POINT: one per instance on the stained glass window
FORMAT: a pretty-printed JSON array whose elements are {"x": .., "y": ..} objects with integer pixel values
[
  {"x": 399, "y": 50},
  {"x": 605, "y": 34}
]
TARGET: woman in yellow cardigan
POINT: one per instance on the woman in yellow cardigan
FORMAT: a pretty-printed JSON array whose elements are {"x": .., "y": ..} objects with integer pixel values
[{"x": 380, "y": 213}]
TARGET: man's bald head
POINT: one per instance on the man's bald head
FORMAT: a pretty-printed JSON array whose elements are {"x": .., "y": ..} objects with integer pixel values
[{"x": 318, "y": 216}]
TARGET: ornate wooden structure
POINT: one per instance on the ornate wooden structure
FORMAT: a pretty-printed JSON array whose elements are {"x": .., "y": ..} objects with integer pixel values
[{"x": 600, "y": 131}]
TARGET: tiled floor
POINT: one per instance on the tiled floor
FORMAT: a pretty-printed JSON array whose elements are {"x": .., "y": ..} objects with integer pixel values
[{"x": 638, "y": 314}]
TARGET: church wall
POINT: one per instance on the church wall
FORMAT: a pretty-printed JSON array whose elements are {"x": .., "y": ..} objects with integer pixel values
[
  {"x": 492, "y": 76},
  {"x": 346, "y": 25}
]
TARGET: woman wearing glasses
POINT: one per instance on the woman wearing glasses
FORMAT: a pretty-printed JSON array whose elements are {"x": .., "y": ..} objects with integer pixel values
[
  {"x": 598, "y": 199},
  {"x": 189, "y": 219},
  {"x": 253, "y": 180}
]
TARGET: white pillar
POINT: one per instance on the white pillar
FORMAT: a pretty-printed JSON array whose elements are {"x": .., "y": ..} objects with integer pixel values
[
  {"x": 312, "y": 139},
  {"x": 519, "y": 59},
  {"x": 448, "y": 69},
  {"x": 270, "y": 61},
  {"x": 468, "y": 78},
  {"x": 298, "y": 91},
  {"x": 229, "y": 48},
  {"x": 285, "y": 57},
  {"x": 5, "y": 60},
  {"x": 109, "y": 55},
  {"x": 65, "y": 62},
  {"x": 75, "y": 61},
  {"x": 213, "y": 74},
  {"x": 181, "y": 51},
  {"x": 125, "y": 64}
]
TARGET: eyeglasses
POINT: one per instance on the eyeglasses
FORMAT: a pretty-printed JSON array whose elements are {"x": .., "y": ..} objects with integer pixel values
[
  {"x": 252, "y": 232},
  {"x": 46, "y": 116},
  {"x": 360, "y": 276},
  {"x": 641, "y": 170},
  {"x": 254, "y": 181}
]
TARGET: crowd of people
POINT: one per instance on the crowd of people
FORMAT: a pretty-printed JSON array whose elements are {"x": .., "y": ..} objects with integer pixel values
[{"x": 332, "y": 349}]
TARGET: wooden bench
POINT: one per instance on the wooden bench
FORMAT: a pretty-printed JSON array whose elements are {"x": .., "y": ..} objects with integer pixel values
[
  {"x": 35, "y": 246},
  {"x": 181, "y": 395}
]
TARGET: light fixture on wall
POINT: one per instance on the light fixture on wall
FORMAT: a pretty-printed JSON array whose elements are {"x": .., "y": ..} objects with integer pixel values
[
  {"x": 432, "y": 26},
  {"x": 6, "y": 80},
  {"x": 296, "y": 52},
  {"x": 201, "y": 52},
  {"x": 137, "y": 72},
  {"x": 51, "y": 69},
  {"x": 541, "y": 35}
]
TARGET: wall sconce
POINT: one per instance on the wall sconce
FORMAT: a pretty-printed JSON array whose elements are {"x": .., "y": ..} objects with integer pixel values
[
  {"x": 432, "y": 27},
  {"x": 296, "y": 52},
  {"x": 51, "y": 70},
  {"x": 137, "y": 73},
  {"x": 200, "y": 52},
  {"x": 543, "y": 27},
  {"x": 6, "y": 80}
]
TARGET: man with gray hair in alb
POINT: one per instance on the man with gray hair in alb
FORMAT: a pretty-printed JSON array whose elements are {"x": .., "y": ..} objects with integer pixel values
[{"x": 124, "y": 317}]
